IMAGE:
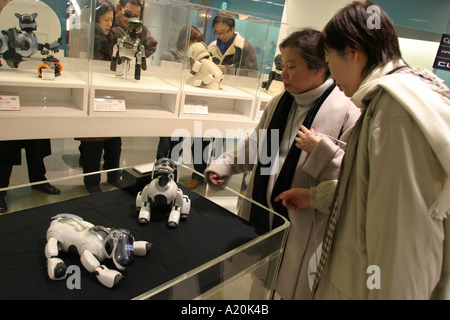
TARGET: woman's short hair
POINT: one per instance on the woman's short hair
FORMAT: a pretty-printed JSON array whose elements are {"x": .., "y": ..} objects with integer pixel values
[
  {"x": 304, "y": 43},
  {"x": 363, "y": 26},
  {"x": 194, "y": 35},
  {"x": 102, "y": 8}
]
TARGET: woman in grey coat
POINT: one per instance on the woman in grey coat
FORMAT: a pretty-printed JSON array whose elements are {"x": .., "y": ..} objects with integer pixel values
[{"x": 311, "y": 104}]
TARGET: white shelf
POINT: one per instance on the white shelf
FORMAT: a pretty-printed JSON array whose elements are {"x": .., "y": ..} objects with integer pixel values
[
  {"x": 263, "y": 99},
  {"x": 148, "y": 97},
  {"x": 66, "y": 95},
  {"x": 227, "y": 104}
]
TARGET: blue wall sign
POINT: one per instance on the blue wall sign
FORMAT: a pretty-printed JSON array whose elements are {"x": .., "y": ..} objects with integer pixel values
[{"x": 442, "y": 60}]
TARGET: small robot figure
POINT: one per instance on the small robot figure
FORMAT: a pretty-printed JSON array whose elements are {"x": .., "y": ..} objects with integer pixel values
[
  {"x": 204, "y": 72},
  {"x": 18, "y": 44},
  {"x": 50, "y": 62},
  {"x": 274, "y": 84},
  {"x": 94, "y": 244},
  {"x": 161, "y": 194},
  {"x": 127, "y": 48}
]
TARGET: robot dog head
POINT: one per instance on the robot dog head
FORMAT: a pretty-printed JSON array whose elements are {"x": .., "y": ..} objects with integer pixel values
[
  {"x": 164, "y": 165},
  {"x": 197, "y": 51},
  {"x": 118, "y": 246},
  {"x": 27, "y": 22}
]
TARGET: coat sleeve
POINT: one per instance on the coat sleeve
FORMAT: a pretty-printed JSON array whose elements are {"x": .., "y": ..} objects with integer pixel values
[
  {"x": 402, "y": 239},
  {"x": 243, "y": 158},
  {"x": 324, "y": 162}
]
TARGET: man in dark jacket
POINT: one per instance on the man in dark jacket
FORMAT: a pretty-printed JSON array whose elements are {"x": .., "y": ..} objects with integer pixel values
[{"x": 125, "y": 10}]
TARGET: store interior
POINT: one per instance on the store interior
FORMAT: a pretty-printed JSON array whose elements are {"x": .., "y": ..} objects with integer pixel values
[{"x": 420, "y": 26}]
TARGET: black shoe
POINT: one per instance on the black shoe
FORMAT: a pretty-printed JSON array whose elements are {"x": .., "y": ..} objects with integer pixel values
[
  {"x": 47, "y": 188},
  {"x": 3, "y": 207},
  {"x": 94, "y": 188},
  {"x": 116, "y": 182}
]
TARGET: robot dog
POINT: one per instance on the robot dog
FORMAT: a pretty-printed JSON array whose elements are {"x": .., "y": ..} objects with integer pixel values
[
  {"x": 94, "y": 244},
  {"x": 163, "y": 193},
  {"x": 129, "y": 47},
  {"x": 204, "y": 72},
  {"x": 18, "y": 44}
]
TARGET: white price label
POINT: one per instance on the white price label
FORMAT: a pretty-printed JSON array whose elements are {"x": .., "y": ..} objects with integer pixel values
[
  {"x": 102, "y": 104},
  {"x": 9, "y": 103},
  {"x": 195, "y": 108}
]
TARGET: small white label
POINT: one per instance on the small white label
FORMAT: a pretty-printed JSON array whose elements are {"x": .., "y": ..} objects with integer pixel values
[
  {"x": 9, "y": 103},
  {"x": 195, "y": 108},
  {"x": 48, "y": 74},
  {"x": 102, "y": 104}
]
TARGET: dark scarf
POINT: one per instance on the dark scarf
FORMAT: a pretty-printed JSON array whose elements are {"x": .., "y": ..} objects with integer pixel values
[{"x": 258, "y": 215}]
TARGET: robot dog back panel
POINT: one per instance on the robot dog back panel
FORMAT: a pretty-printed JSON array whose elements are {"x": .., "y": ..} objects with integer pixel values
[{"x": 209, "y": 232}]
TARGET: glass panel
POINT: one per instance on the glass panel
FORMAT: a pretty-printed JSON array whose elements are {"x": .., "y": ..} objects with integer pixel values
[{"x": 43, "y": 71}]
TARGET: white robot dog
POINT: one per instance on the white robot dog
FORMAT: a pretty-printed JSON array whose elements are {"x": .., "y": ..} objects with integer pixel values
[
  {"x": 204, "y": 72},
  {"x": 94, "y": 244},
  {"x": 163, "y": 192}
]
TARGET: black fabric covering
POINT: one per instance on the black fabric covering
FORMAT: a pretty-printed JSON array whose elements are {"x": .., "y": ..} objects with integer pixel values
[{"x": 209, "y": 232}]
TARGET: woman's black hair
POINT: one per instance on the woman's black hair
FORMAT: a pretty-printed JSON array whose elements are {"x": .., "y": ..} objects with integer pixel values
[
  {"x": 304, "y": 43},
  {"x": 363, "y": 26},
  {"x": 102, "y": 8}
]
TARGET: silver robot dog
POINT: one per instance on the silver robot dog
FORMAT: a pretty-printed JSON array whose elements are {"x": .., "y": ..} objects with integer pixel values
[{"x": 163, "y": 192}]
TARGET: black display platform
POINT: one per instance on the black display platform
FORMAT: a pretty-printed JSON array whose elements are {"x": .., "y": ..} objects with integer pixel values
[{"x": 209, "y": 232}]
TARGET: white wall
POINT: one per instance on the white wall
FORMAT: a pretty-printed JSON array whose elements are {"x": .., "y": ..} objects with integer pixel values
[
  {"x": 418, "y": 53},
  {"x": 314, "y": 14}
]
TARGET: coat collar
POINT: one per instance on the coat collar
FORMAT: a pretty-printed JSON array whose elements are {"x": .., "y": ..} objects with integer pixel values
[{"x": 369, "y": 86}]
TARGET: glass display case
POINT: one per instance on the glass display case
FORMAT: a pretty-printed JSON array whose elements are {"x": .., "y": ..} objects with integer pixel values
[
  {"x": 89, "y": 99},
  {"x": 38, "y": 77},
  {"x": 213, "y": 254},
  {"x": 150, "y": 90},
  {"x": 237, "y": 98}
]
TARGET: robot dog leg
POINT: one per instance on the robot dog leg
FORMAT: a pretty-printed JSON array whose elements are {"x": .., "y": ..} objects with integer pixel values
[
  {"x": 180, "y": 210},
  {"x": 142, "y": 202}
]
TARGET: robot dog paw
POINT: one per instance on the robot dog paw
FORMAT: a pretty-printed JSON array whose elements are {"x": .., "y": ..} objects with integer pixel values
[{"x": 56, "y": 269}]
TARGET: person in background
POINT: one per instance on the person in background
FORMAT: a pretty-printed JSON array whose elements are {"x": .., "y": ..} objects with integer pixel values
[
  {"x": 311, "y": 104},
  {"x": 103, "y": 39},
  {"x": 388, "y": 235},
  {"x": 231, "y": 51},
  {"x": 125, "y": 10},
  {"x": 11, "y": 155},
  {"x": 92, "y": 149},
  {"x": 178, "y": 54}
]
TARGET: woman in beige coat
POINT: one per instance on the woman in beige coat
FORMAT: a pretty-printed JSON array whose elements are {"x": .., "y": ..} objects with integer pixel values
[
  {"x": 308, "y": 88},
  {"x": 387, "y": 236}
]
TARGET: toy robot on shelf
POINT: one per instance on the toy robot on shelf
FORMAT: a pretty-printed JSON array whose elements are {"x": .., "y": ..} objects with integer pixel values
[
  {"x": 204, "y": 72},
  {"x": 18, "y": 44},
  {"x": 94, "y": 244},
  {"x": 162, "y": 193},
  {"x": 274, "y": 84},
  {"x": 127, "y": 48}
]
